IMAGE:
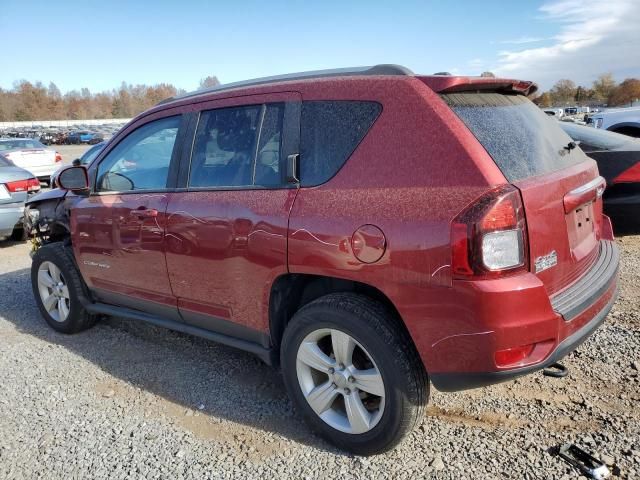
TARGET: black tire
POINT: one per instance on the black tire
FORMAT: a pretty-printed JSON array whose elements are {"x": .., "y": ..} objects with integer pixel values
[
  {"x": 78, "y": 318},
  {"x": 376, "y": 329}
]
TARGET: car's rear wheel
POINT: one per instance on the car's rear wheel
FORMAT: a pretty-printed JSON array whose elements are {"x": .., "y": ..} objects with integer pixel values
[
  {"x": 58, "y": 289},
  {"x": 352, "y": 373}
]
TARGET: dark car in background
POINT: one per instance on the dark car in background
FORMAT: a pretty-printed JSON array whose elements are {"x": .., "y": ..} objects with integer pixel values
[
  {"x": 84, "y": 136},
  {"x": 16, "y": 185},
  {"x": 618, "y": 158}
]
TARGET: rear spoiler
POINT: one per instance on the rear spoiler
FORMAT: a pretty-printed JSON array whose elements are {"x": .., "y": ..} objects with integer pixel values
[{"x": 451, "y": 84}]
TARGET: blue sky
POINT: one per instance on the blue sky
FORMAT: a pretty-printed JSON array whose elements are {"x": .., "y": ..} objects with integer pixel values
[{"x": 100, "y": 44}]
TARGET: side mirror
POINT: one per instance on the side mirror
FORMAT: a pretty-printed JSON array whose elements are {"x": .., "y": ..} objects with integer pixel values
[
  {"x": 75, "y": 179},
  {"x": 76, "y": 162}
]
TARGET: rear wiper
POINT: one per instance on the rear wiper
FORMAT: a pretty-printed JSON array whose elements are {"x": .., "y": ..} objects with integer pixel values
[{"x": 570, "y": 146}]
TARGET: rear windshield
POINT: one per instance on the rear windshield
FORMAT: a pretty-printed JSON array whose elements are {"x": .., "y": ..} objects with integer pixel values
[
  {"x": 594, "y": 140},
  {"x": 18, "y": 144},
  {"x": 521, "y": 139}
]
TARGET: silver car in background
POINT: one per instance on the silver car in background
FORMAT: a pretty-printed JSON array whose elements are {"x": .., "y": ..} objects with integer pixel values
[
  {"x": 16, "y": 185},
  {"x": 31, "y": 155}
]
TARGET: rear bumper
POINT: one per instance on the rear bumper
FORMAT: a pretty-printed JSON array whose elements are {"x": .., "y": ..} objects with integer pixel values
[
  {"x": 451, "y": 382},
  {"x": 517, "y": 311},
  {"x": 42, "y": 172},
  {"x": 10, "y": 216}
]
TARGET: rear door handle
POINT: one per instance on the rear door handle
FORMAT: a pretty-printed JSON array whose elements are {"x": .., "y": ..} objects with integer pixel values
[
  {"x": 143, "y": 212},
  {"x": 588, "y": 192}
]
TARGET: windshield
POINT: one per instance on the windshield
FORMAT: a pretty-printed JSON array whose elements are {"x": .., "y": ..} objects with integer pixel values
[
  {"x": 597, "y": 140},
  {"x": 90, "y": 154},
  {"x": 521, "y": 139},
  {"x": 19, "y": 144}
]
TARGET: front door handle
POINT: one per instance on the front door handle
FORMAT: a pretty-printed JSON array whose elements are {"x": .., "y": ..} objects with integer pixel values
[{"x": 143, "y": 212}]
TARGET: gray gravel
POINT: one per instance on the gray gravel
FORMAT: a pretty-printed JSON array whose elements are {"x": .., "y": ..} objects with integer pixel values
[{"x": 128, "y": 400}]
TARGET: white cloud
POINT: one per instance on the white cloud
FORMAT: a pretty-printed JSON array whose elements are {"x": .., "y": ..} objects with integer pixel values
[
  {"x": 523, "y": 40},
  {"x": 595, "y": 36}
]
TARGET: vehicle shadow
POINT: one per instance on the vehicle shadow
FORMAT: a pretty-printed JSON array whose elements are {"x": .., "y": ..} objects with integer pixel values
[
  {"x": 193, "y": 377},
  {"x": 10, "y": 243}
]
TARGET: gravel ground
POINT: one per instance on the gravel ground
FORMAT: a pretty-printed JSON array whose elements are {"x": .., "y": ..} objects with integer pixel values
[{"x": 128, "y": 400}]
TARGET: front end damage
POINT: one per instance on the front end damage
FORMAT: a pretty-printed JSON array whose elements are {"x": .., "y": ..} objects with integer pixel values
[{"x": 47, "y": 219}]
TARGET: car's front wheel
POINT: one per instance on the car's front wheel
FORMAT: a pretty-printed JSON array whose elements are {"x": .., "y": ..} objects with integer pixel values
[
  {"x": 58, "y": 289},
  {"x": 353, "y": 373}
]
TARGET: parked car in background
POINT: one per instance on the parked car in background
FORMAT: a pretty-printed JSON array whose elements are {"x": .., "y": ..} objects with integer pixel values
[
  {"x": 16, "y": 185},
  {"x": 618, "y": 158},
  {"x": 368, "y": 230},
  {"x": 554, "y": 112},
  {"x": 84, "y": 136},
  {"x": 31, "y": 155},
  {"x": 86, "y": 158},
  {"x": 47, "y": 138},
  {"x": 620, "y": 120}
]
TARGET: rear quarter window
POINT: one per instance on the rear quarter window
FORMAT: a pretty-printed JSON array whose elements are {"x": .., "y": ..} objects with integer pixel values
[
  {"x": 330, "y": 132},
  {"x": 521, "y": 139}
]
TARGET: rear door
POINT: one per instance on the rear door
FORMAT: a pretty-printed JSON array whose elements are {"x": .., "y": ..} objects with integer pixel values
[
  {"x": 119, "y": 229},
  {"x": 227, "y": 228},
  {"x": 560, "y": 186}
]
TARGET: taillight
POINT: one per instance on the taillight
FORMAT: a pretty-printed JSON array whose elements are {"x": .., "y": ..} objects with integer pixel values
[
  {"x": 489, "y": 237},
  {"x": 58, "y": 157},
  {"x": 34, "y": 184},
  {"x": 30, "y": 185},
  {"x": 631, "y": 175}
]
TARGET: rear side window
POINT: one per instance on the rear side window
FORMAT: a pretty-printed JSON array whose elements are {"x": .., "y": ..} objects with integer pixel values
[
  {"x": 238, "y": 146},
  {"x": 521, "y": 139},
  {"x": 330, "y": 132}
]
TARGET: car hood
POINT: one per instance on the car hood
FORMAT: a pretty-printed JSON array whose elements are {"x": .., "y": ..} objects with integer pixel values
[
  {"x": 48, "y": 195},
  {"x": 11, "y": 174}
]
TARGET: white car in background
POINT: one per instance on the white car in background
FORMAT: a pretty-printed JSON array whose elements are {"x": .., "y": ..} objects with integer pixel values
[
  {"x": 31, "y": 155},
  {"x": 620, "y": 120}
]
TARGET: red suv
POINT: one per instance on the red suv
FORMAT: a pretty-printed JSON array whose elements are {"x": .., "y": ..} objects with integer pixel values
[{"x": 366, "y": 230}]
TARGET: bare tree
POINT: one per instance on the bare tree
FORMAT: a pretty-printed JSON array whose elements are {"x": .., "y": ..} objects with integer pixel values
[
  {"x": 564, "y": 91},
  {"x": 604, "y": 86},
  {"x": 208, "y": 82}
]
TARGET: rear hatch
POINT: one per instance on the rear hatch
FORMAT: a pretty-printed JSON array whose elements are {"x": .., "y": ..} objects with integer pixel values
[{"x": 560, "y": 186}]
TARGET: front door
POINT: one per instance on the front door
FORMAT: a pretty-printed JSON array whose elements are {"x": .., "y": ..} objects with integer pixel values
[
  {"x": 119, "y": 229},
  {"x": 227, "y": 232}
]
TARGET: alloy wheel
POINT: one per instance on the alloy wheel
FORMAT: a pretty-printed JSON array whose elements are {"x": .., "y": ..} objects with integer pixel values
[
  {"x": 54, "y": 291},
  {"x": 340, "y": 381}
]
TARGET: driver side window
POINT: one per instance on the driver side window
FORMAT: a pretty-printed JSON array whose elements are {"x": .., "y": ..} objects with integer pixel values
[{"x": 140, "y": 161}]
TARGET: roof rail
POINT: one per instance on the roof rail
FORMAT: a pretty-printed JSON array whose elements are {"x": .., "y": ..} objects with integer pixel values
[{"x": 382, "y": 69}]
